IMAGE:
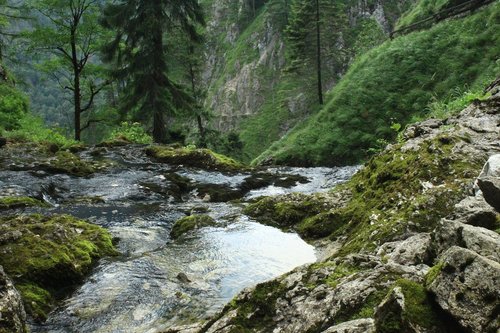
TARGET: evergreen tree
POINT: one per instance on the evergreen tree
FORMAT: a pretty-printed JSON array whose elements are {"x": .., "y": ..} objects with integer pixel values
[
  {"x": 140, "y": 54},
  {"x": 313, "y": 32}
]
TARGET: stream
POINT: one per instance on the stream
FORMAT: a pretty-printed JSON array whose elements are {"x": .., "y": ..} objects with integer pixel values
[{"x": 144, "y": 289}]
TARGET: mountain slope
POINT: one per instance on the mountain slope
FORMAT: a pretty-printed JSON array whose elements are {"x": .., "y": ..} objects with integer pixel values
[{"x": 391, "y": 84}]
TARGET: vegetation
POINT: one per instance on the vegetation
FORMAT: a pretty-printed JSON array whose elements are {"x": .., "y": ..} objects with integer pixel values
[
  {"x": 140, "y": 56},
  {"x": 392, "y": 83},
  {"x": 45, "y": 254},
  {"x": 191, "y": 156}
]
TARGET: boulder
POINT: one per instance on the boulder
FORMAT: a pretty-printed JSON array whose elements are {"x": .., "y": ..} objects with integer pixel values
[
  {"x": 454, "y": 233},
  {"x": 489, "y": 181},
  {"x": 354, "y": 326},
  {"x": 467, "y": 287},
  {"x": 188, "y": 223},
  {"x": 411, "y": 251},
  {"x": 474, "y": 210},
  {"x": 12, "y": 314}
]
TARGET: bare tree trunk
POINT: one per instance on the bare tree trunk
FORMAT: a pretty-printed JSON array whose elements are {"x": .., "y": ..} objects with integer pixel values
[
  {"x": 318, "y": 54},
  {"x": 77, "y": 96}
]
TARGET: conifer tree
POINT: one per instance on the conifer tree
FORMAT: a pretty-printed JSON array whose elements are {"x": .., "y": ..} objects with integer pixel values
[{"x": 140, "y": 54}]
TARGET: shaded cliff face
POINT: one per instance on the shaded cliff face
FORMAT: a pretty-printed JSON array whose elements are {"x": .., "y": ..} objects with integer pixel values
[{"x": 249, "y": 90}]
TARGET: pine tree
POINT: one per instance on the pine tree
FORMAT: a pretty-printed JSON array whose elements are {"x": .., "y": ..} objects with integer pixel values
[{"x": 140, "y": 54}]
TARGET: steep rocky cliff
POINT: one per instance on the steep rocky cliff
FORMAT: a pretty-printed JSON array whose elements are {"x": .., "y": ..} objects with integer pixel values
[{"x": 249, "y": 90}]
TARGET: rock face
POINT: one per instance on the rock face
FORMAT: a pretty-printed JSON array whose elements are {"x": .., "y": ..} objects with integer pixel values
[
  {"x": 12, "y": 314},
  {"x": 418, "y": 241},
  {"x": 468, "y": 288},
  {"x": 489, "y": 181},
  {"x": 244, "y": 73}
]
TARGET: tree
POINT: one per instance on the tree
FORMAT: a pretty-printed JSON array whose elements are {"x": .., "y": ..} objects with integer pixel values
[
  {"x": 140, "y": 54},
  {"x": 68, "y": 30},
  {"x": 10, "y": 11},
  {"x": 313, "y": 30}
]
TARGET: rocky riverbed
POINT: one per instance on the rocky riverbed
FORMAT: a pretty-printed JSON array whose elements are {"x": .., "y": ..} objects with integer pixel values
[
  {"x": 88, "y": 236},
  {"x": 415, "y": 235}
]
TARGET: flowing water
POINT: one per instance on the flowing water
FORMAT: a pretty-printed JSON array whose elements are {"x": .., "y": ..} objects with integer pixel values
[{"x": 145, "y": 289}]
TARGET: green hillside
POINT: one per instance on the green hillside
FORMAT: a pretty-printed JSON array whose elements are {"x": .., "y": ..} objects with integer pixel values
[{"x": 391, "y": 84}]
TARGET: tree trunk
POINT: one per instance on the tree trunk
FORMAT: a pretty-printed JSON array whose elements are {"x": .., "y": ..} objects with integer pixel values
[
  {"x": 77, "y": 96},
  {"x": 318, "y": 54},
  {"x": 159, "y": 126}
]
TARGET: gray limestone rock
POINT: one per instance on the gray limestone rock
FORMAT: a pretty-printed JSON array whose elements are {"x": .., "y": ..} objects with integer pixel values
[
  {"x": 454, "y": 233},
  {"x": 412, "y": 251},
  {"x": 467, "y": 287},
  {"x": 354, "y": 326},
  {"x": 12, "y": 314}
]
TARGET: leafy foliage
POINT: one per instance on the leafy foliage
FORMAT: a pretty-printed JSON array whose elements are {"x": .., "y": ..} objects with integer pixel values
[
  {"x": 13, "y": 107},
  {"x": 132, "y": 132}
]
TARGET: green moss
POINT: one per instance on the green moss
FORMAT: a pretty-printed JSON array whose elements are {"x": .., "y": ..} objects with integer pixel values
[
  {"x": 255, "y": 312},
  {"x": 200, "y": 158},
  {"x": 68, "y": 163},
  {"x": 37, "y": 301},
  {"x": 7, "y": 203},
  {"x": 287, "y": 211},
  {"x": 418, "y": 306},
  {"x": 341, "y": 271},
  {"x": 433, "y": 273},
  {"x": 189, "y": 223},
  {"x": 44, "y": 254}
]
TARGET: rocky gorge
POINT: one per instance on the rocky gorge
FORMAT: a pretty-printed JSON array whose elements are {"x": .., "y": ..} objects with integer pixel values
[{"x": 408, "y": 244}]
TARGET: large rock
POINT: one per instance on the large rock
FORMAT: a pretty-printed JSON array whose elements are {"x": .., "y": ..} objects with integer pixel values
[
  {"x": 411, "y": 251},
  {"x": 354, "y": 326},
  {"x": 467, "y": 287},
  {"x": 474, "y": 210},
  {"x": 454, "y": 233},
  {"x": 12, "y": 314},
  {"x": 489, "y": 181}
]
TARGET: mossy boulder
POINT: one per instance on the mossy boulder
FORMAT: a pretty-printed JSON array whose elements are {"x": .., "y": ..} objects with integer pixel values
[
  {"x": 193, "y": 157},
  {"x": 45, "y": 255},
  {"x": 48, "y": 157},
  {"x": 7, "y": 203},
  {"x": 408, "y": 308},
  {"x": 188, "y": 223}
]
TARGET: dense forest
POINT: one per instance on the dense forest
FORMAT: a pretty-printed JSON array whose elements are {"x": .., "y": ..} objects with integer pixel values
[{"x": 249, "y": 166}]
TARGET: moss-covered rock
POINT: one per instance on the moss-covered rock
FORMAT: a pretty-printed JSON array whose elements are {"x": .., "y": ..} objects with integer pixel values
[
  {"x": 7, "y": 203},
  {"x": 193, "y": 157},
  {"x": 408, "y": 308},
  {"x": 48, "y": 157},
  {"x": 47, "y": 254},
  {"x": 189, "y": 223}
]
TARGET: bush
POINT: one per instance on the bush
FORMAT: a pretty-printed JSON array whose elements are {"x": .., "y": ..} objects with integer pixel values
[
  {"x": 13, "y": 107},
  {"x": 132, "y": 132}
]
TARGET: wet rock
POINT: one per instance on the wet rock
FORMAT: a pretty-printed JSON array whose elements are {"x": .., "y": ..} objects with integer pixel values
[
  {"x": 199, "y": 158},
  {"x": 467, "y": 287},
  {"x": 189, "y": 223},
  {"x": 12, "y": 314},
  {"x": 489, "y": 180},
  {"x": 43, "y": 253},
  {"x": 8, "y": 203},
  {"x": 183, "y": 278},
  {"x": 354, "y": 326}
]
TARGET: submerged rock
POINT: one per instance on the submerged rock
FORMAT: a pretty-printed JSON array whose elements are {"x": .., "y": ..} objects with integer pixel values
[
  {"x": 12, "y": 314},
  {"x": 188, "y": 223}
]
